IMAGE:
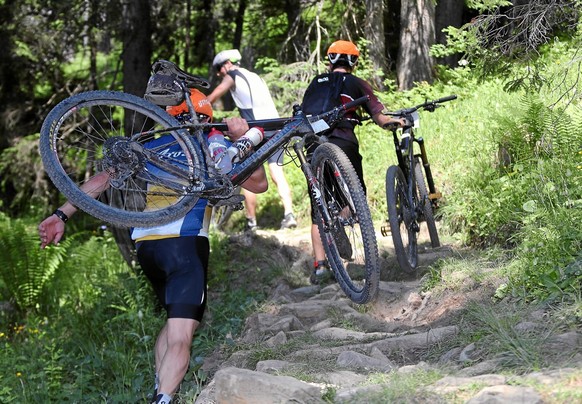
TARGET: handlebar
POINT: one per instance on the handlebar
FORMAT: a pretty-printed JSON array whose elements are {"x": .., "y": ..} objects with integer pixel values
[
  {"x": 429, "y": 106},
  {"x": 340, "y": 110},
  {"x": 278, "y": 123}
]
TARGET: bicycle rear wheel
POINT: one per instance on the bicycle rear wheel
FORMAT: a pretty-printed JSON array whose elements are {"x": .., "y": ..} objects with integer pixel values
[
  {"x": 401, "y": 219},
  {"x": 106, "y": 131},
  {"x": 349, "y": 239},
  {"x": 426, "y": 206}
]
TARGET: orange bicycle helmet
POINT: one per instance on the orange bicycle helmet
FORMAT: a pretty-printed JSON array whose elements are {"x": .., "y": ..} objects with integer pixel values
[
  {"x": 343, "y": 52},
  {"x": 201, "y": 105}
]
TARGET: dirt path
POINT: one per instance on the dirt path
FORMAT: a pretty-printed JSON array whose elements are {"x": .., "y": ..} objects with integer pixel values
[{"x": 310, "y": 344}]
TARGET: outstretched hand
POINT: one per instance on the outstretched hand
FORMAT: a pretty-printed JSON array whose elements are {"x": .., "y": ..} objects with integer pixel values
[{"x": 51, "y": 230}]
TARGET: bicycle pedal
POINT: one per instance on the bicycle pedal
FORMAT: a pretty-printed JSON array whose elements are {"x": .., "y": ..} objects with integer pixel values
[{"x": 436, "y": 195}]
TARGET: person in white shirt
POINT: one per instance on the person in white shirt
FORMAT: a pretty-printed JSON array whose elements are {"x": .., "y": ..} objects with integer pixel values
[{"x": 253, "y": 100}]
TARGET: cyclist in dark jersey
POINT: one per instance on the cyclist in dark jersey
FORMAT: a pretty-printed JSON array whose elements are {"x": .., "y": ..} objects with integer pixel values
[
  {"x": 174, "y": 257},
  {"x": 328, "y": 90}
]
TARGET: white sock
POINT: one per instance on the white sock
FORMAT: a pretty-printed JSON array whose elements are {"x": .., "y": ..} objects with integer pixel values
[{"x": 163, "y": 398}]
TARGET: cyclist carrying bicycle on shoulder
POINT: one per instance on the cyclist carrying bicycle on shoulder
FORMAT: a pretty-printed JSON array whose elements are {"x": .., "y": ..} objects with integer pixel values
[
  {"x": 326, "y": 91},
  {"x": 174, "y": 257}
]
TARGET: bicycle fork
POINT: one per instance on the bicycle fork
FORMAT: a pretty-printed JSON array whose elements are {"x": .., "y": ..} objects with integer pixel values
[
  {"x": 313, "y": 185},
  {"x": 433, "y": 195}
]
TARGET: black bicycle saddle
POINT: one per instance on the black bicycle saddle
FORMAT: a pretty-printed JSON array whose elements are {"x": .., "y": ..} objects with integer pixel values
[{"x": 168, "y": 68}]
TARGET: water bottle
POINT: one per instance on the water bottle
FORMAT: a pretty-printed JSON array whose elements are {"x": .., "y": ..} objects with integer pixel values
[
  {"x": 218, "y": 151},
  {"x": 244, "y": 145}
]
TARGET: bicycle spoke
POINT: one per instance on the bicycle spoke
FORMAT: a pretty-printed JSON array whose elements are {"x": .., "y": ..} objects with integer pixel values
[
  {"x": 348, "y": 237},
  {"x": 99, "y": 131}
]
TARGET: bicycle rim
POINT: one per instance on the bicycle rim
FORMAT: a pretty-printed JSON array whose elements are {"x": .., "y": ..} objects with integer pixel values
[
  {"x": 99, "y": 131},
  {"x": 349, "y": 239},
  {"x": 426, "y": 206},
  {"x": 400, "y": 217}
]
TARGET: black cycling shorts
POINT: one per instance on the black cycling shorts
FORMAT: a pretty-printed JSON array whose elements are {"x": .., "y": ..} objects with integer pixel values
[{"x": 177, "y": 269}]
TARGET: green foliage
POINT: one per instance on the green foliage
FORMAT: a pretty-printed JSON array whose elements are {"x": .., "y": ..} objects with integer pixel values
[
  {"x": 459, "y": 40},
  {"x": 523, "y": 192},
  {"x": 499, "y": 335},
  {"x": 25, "y": 269},
  {"x": 94, "y": 339},
  {"x": 21, "y": 174},
  {"x": 484, "y": 5}
]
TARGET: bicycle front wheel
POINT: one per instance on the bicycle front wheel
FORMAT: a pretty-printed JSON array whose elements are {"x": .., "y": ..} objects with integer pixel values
[
  {"x": 349, "y": 239},
  {"x": 402, "y": 220},
  {"x": 426, "y": 206},
  {"x": 109, "y": 133}
]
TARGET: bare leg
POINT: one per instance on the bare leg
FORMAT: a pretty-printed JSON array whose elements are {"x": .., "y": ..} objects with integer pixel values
[
  {"x": 173, "y": 352},
  {"x": 161, "y": 347},
  {"x": 318, "y": 251},
  {"x": 278, "y": 177},
  {"x": 250, "y": 204}
]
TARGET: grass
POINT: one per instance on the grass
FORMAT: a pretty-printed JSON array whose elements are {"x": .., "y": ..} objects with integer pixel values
[
  {"x": 91, "y": 333},
  {"x": 401, "y": 387}
]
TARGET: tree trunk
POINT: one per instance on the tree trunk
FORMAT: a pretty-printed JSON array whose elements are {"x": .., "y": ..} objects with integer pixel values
[
  {"x": 296, "y": 47},
  {"x": 239, "y": 23},
  {"x": 205, "y": 26},
  {"x": 136, "y": 56},
  {"x": 414, "y": 63},
  {"x": 448, "y": 13},
  {"x": 374, "y": 31},
  {"x": 137, "y": 46}
]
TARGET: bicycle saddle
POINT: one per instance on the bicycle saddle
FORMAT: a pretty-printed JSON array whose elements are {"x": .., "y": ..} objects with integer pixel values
[{"x": 167, "y": 68}]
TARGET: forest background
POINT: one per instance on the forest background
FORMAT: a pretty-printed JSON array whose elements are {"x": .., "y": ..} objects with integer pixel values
[{"x": 507, "y": 155}]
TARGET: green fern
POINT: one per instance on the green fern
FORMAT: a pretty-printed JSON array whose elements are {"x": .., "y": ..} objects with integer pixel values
[{"x": 25, "y": 269}]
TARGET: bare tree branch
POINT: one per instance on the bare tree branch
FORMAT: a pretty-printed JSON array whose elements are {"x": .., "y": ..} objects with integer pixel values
[{"x": 519, "y": 31}]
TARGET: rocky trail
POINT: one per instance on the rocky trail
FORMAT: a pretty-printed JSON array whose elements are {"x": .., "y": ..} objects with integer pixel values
[{"x": 310, "y": 344}]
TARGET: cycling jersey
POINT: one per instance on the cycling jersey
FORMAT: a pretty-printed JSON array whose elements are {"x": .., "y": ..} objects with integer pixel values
[
  {"x": 194, "y": 223},
  {"x": 253, "y": 99},
  {"x": 329, "y": 90},
  {"x": 251, "y": 95}
]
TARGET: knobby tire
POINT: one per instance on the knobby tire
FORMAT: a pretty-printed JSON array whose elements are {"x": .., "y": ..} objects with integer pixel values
[
  {"x": 355, "y": 266},
  {"x": 400, "y": 218},
  {"x": 72, "y": 146}
]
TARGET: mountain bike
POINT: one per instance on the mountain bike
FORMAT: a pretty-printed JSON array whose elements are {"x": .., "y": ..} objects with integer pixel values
[
  {"x": 410, "y": 202},
  {"x": 110, "y": 134}
]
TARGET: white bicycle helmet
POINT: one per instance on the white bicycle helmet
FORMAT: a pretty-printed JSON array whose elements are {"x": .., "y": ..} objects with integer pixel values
[{"x": 230, "y": 55}]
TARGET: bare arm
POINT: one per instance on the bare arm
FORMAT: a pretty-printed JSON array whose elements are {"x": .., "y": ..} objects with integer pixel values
[
  {"x": 51, "y": 229},
  {"x": 225, "y": 85},
  {"x": 257, "y": 182},
  {"x": 383, "y": 120}
]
